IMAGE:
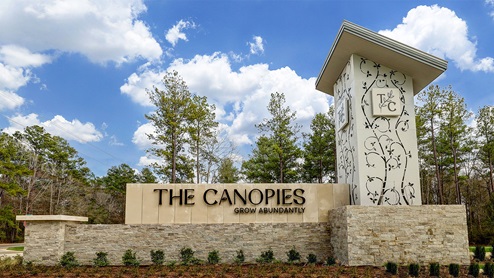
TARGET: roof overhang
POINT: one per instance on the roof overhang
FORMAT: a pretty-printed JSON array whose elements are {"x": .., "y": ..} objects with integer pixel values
[{"x": 354, "y": 39}]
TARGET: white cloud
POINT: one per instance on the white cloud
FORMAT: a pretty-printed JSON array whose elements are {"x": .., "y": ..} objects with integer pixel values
[
  {"x": 9, "y": 100},
  {"x": 256, "y": 47},
  {"x": 137, "y": 85},
  {"x": 18, "y": 56},
  {"x": 439, "y": 31},
  {"x": 140, "y": 138},
  {"x": 103, "y": 31},
  {"x": 176, "y": 32},
  {"x": 13, "y": 78},
  {"x": 58, "y": 126},
  {"x": 241, "y": 96}
]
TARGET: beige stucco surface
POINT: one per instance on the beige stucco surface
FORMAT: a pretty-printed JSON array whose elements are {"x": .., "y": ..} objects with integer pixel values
[{"x": 142, "y": 203}]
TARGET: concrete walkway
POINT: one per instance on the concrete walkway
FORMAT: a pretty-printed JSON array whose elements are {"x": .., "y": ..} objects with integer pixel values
[{"x": 9, "y": 253}]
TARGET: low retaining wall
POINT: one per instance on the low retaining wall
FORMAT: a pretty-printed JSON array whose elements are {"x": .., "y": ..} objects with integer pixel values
[
  {"x": 354, "y": 235},
  {"x": 374, "y": 235},
  {"x": 85, "y": 240}
]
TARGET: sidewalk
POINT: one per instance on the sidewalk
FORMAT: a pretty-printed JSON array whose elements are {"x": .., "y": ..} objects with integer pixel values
[{"x": 9, "y": 253}]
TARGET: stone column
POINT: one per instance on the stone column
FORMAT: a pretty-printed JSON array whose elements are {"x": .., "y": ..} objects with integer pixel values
[
  {"x": 44, "y": 237},
  {"x": 373, "y": 80}
]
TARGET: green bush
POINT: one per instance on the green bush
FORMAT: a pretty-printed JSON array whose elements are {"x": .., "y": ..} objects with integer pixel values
[
  {"x": 479, "y": 253},
  {"x": 454, "y": 270},
  {"x": 157, "y": 257},
  {"x": 474, "y": 270},
  {"x": 214, "y": 257},
  {"x": 489, "y": 269},
  {"x": 330, "y": 261},
  {"x": 240, "y": 257},
  {"x": 392, "y": 268},
  {"x": 311, "y": 258},
  {"x": 129, "y": 258},
  {"x": 413, "y": 270},
  {"x": 68, "y": 260},
  {"x": 293, "y": 255},
  {"x": 101, "y": 259},
  {"x": 434, "y": 269},
  {"x": 187, "y": 256},
  {"x": 266, "y": 257}
]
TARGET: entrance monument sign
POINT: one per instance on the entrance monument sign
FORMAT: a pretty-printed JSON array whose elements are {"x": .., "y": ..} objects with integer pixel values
[
  {"x": 232, "y": 203},
  {"x": 373, "y": 80}
]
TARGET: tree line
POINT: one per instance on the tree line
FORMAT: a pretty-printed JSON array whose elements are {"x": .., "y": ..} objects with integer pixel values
[{"x": 43, "y": 174}]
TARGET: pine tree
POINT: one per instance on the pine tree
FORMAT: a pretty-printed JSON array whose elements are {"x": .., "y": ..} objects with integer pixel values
[
  {"x": 320, "y": 149},
  {"x": 274, "y": 158},
  {"x": 227, "y": 172},
  {"x": 485, "y": 133},
  {"x": 202, "y": 126},
  {"x": 170, "y": 120}
]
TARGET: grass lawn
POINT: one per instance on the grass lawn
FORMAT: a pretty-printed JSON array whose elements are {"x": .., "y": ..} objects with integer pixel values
[
  {"x": 16, "y": 248},
  {"x": 487, "y": 248}
]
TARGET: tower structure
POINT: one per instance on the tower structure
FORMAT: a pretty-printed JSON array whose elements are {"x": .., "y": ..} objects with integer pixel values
[{"x": 373, "y": 80}]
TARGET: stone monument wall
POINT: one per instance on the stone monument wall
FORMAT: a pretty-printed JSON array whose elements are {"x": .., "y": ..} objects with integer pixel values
[
  {"x": 374, "y": 235},
  {"x": 85, "y": 240}
]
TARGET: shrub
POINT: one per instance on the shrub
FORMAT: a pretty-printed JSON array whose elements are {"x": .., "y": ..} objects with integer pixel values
[
  {"x": 474, "y": 270},
  {"x": 68, "y": 260},
  {"x": 187, "y": 256},
  {"x": 101, "y": 259},
  {"x": 330, "y": 261},
  {"x": 10, "y": 263},
  {"x": 434, "y": 269},
  {"x": 214, "y": 257},
  {"x": 129, "y": 258},
  {"x": 293, "y": 255},
  {"x": 479, "y": 253},
  {"x": 157, "y": 257},
  {"x": 489, "y": 269},
  {"x": 266, "y": 257},
  {"x": 311, "y": 258},
  {"x": 454, "y": 270},
  {"x": 413, "y": 270},
  {"x": 240, "y": 258},
  {"x": 392, "y": 268}
]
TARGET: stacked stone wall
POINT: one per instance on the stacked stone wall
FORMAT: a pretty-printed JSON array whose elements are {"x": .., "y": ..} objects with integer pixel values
[
  {"x": 374, "y": 235},
  {"x": 85, "y": 240},
  {"x": 44, "y": 241},
  {"x": 354, "y": 235}
]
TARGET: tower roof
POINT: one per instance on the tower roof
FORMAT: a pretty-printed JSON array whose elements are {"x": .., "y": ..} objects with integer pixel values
[{"x": 354, "y": 39}]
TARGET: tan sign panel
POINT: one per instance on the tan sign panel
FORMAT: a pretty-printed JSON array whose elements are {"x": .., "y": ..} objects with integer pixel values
[{"x": 232, "y": 203}]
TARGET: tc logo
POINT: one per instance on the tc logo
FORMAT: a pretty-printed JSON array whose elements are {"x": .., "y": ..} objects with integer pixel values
[{"x": 386, "y": 102}]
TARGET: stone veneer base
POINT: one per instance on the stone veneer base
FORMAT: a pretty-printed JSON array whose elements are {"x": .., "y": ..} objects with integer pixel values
[
  {"x": 354, "y": 235},
  {"x": 374, "y": 235},
  {"x": 46, "y": 242}
]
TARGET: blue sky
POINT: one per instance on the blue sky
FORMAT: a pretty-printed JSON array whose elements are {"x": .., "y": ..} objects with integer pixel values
[{"x": 80, "y": 68}]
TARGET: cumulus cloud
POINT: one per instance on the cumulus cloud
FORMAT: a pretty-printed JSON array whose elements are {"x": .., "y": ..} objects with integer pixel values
[
  {"x": 439, "y": 31},
  {"x": 11, "y": 79},
  {"x": 10, "y": 100},
  {"x": 257, "y": 46},
  {"x": 18, "y": 56},
  {"x": 140, "y": 138},
  {"x": 241, "y": 96},
  {"x": 176, "y": 32},
  {"x": 58, "y": 126},
  {"x": 137, "y": 85},
  {"x": 103, "y": 31}
]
